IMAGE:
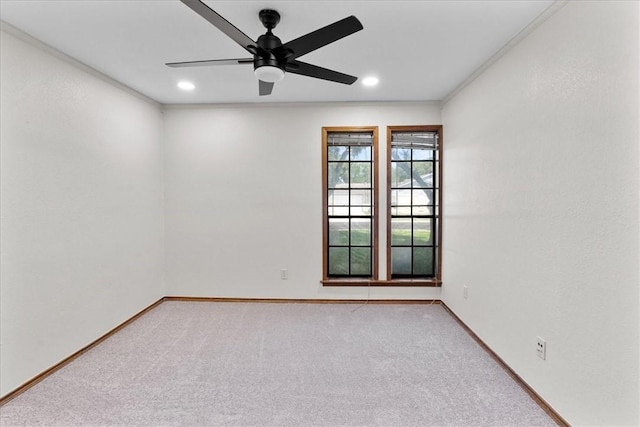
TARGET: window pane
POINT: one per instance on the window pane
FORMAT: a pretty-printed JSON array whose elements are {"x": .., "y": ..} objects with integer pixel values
[
  {"x": 338, "y": 152},
  {"x": 422, "y": 197},
  {"x": 361, "y": 197},
  {"x": 400, "y": 174},
  {"x": 338, "y": 210},
  {"x": 360, "y": 211},
  {"x": 360, "y": 232},
  {"x": 360, "y": 153},
  {"x": 400, "y": 231},
  {"x": 400, "y": 154},
  {"x": 422, "y": 210},
  {"x": 400, "y": 260},
  {"x": 338, "y": 197},
  {"x": 401, "y": 211},
  {"x": 421, "y": 231},
  {"x": 361, "y": 175},
  {"x": 338, "y": 231},
  {"x": 339, "y": 261},
  {"x": 423, "y": 261},
  {"x": 422, "y": 174},
  {"x": 338, "y": 175},
  {"x": 361, "y": 261},
  {"x": 401, "y": 197},
  {"x": 420, "y": 154}
]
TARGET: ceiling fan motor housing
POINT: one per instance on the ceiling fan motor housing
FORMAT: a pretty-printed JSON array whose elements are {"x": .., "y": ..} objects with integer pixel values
[{"x": 267, "y": 42}]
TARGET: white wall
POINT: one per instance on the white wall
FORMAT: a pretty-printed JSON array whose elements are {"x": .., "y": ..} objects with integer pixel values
[
  {"x": 541, "y": 210},
  {"x": 82, "y": 222},
  {"x": 244, "y": 197}
]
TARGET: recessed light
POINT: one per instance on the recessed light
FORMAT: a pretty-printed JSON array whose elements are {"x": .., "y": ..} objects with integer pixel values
[
  {"x": 370, "y": 81},
  {"x": 185, "y": 85}
]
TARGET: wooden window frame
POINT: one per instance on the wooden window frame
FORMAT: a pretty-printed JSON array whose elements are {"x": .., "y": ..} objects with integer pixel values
[
  {"x": 356, "y": 281},
  {"x": 437, "y": 280},
  {"x": 374, "y": 279}
]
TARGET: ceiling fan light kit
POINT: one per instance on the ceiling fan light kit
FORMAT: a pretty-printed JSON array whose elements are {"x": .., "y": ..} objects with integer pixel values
[
  {"x": 269, "y": 73},
  {"x": 271, "y": 59}
]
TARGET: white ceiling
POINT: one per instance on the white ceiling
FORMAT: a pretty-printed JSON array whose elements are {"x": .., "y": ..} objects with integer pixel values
[{"x": 420, "y": 50}]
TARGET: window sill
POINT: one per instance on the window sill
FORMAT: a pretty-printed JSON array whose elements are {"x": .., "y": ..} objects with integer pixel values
[{"x": 390, "y": 283}]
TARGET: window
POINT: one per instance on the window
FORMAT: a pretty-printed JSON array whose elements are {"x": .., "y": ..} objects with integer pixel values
[
  {"x": 351, "y": 220},
  {"x": 350, "y": 202},
  {"x": 413, "y": 219}
]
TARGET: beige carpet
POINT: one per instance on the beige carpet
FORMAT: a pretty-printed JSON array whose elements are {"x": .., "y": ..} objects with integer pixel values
[{"x": 259, "y": 364}]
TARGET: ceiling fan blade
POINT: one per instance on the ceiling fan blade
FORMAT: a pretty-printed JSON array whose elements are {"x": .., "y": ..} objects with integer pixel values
[
  {"x": 304, "y": 69},
  {"x": 209, "y": 62},
  {"x": 316, "y": 39},
  {"x": 223, "y": 25},
  {"x": 264, "y": 88}
]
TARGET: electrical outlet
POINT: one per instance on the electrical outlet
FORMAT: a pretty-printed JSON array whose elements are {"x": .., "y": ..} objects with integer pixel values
[
  {"x": 284, "y": 274},
  {"x": 541, "y": 348},
  {"x": 465, "y": 292}
]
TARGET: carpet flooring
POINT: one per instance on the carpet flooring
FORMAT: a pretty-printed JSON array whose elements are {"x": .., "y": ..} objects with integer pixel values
[{"x": 259, "y": 364}]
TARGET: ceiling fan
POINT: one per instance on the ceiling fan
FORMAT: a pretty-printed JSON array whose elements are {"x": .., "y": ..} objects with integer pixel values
[{"x": 271, "y": 59}]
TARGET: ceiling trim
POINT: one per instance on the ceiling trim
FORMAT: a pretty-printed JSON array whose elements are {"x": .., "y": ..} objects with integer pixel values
[
  {"x": 293, "y": 104},
  {"x": 540, "y": 19}
]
